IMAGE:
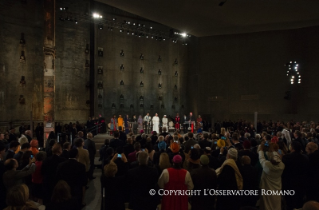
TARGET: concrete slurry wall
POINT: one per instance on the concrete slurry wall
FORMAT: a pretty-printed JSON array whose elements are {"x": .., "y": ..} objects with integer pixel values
[{"x": 16, "y": 18}]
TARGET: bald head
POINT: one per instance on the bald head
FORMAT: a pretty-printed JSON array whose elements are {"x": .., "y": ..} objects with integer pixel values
[
  {"x": 142, "y": 158},
  {"x": 311, "y": 147},
  {"x": 89, "y": 135},
  {"x": 245, "y": 160},
  {"x": 311, "y": 205},
  {"x": 27, "y": 132}
]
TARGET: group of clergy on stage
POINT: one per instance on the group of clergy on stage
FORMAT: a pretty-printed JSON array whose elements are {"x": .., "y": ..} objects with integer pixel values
[{"x": 149, "y": 124}]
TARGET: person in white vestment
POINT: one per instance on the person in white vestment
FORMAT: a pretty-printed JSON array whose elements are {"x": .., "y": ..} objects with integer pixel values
[
  {"x": 165, "y": 122},
  {"x": 155, "y": 122},
  {"x": 270, "y": 179}
]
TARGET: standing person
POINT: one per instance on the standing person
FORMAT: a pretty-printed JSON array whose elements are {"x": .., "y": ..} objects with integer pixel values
[
  {"x": 13, "y": 146},
  {"x": 155, "y": 121},
  {"x": 126, "y": 124},
  {"x": 191, "y": 121},
  {"x": 203, "y": 178},
  {"x": 12, "y": 136},
  {"x": 294, "y": 176},
  {"x": 134, "y": 124},
  {"x": 90, "y": 146},
  {"x": 120, "y": 121},
  {"x": 146, "y": 120},
  {"x": 185, "y": 124},
  {"x": 270, "y": 179},
  {"x": 113, "y": 126},
  {"x": 177, "y": 122},
  {"x": 37, "y": 178},
  {"x": 175, "y": 178},
  {"x": 140, "y": 123},
  {"x": 165, "y": 122},
  {"x": 83, "y": 154},
  {"x": 199, "y": 122}
]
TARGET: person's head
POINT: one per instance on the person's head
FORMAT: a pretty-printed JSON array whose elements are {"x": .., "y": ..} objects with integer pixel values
[
  {"x": 142, "y": 158},
  {"x": 296, "y": 147},
  {"x": 190, "y": 135},
  {"x": 79, "y": 143},
  {"x": 245, "y": 160},
  {"x": 204, "y": 160},
  {"x": 14, "y": 145},
  {"x": 190, "y": 114},
  {"x": 57, "y": 149},
  {"x": 164, "y": 161},
  {"x": 164, "y": 129},
  {"x": 23, "y": 139},
  {"x": 137, "y": 146},
  {"x": 120, "y": 127},
  {"x": 279, "y": 134},
  {"x": 26, "y": 156},
  {"x": 235, "y": 137},
  {"x": 274, "y": 158},
  {"x": 297, "y": 134},
  {"x": 267, "y": 137},
  {"x": 174, "y": 147},
  {"x": 129, "y": 140},
  {"x": 162, "y": 145},
  {"x": 89, "y": 135},
  {"x": 11, "y": 164},
  {"x": 247, "y": 135},
  {"x": 61, "y": 192},
  {"x": 73, "y": 153},
  {"x": 222, "y": 131},
  {"x": 18, "y": 196},
  {"x": 67, "y": 146},
  {"x": 116, "y": 134},
  {"x": 257, "y": 136},
  {"x": 25, "y": 147},
  {"x": 110, "y": 169},
  {"x": 195, "y": 154},
  {"x": 311, "y": 205},
  {"x": 40, "y": 156},
  {"x": 154, "y": 133},
  {"x": 311, "y": 147},
  {"x": 34, "y": 143},
  {"x": 27, "y": 132},
  {"x": 80, "y": 134},
  {"x": 177, "y": 161},
  {"x": 232, "y": 154}
]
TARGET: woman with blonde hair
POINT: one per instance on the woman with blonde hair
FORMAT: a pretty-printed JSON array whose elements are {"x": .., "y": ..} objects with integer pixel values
[
  {"x": 222, "y": 131},
  {"x": 18, "y": 199},
  {"x": 164, "y": 163},
  {"x": 23, "y": 139}
]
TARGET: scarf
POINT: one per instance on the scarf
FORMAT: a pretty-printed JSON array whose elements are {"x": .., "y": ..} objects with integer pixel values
[{"x": 232, "y": 163}]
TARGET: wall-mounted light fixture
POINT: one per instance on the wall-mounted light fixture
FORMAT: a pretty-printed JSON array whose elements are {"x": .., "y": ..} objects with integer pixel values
[
  {"x": 22, "y": 81},
  {"x": 122, "y": 82},
  {"x": 122, "y": 53},
  {"x": 21, "y": 99},
  {"x": 122, "y": 67},
  {"x": 141, "y": 84},
  {"x": 87, "y": 64},
  {"x": 159, "y": 85},
  {"x": 159, "y": 72},
  {"x": 159, "y": 59},
  {"x": 100, "y": 52},
  {"x": 141, "y": 70},
  {"x": 22, "y": 41},
  {"x": 142, "y": 56},
  {"x": 100, "y": 69},
  {"x": 176, "y": 73},
  {"x": 22, "y": 57},
  {"x": 87, "y": 49}
]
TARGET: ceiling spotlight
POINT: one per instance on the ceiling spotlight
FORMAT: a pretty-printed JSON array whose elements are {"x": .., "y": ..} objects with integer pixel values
[
  {"x": 133, "y": 24},
  {"x": 129, "y": 22},
  {"x": 163, "y": 39},
  {"x": 152, "y": 37},
  {"x": 133, "y": 33},
  {"x": 143, "y": 25},
  {"x": 76, "y": 22},
  {"x": 100, "y": 26},
  {"x": 121, "y": 30},
  {"x": 114, "y": 19},
  {"x": 290, "y": 61},
  {"x": 96, "y": 15},
  {"x": 183, "y": 34},
  {"x": 139, "y": 24},
  {"x": 151, "y": 27},
  {"x": 128, "y": 33},
  {"x": 146, "y": 36}
]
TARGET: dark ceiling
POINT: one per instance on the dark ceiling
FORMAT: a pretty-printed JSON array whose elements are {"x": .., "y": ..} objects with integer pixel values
[{"x": 207, "y": 18}]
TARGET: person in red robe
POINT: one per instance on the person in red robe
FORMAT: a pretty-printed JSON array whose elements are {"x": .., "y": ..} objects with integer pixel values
[
  {"x": 175, "y": 178},
  {"x": 177, "y": 120}
]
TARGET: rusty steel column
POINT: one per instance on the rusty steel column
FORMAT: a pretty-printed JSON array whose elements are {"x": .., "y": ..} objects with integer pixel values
[{"x": 49, "y": 67}]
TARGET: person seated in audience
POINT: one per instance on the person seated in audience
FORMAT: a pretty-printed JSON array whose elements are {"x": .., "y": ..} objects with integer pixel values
[
  {"x": 48, "y": 170},
  {"x": 18, "y": 199},
  {"x": 12, "y": 176},
  {"x": 62, "y": 199},
  {"x": 37, "y": 178},
  {"x": 175, "y": 178},
  {"x": 235, "y": 142},
  {"x": 140, "y": 181},
  {"x": 229, "y": 178},
  {"x": 190, "y": 142},
  {"x": 164, "y": 132},
  {"x": 66, "y": 149},
  {"x": 12, "y": 148},
  {"x": 74, "y": 173},
  {"x": 205, "y": 142},
  {"x": 115, "y": 187},
  {"x": 24, "y": 147},
  {"x": 213, "y": 161},
  {"x": 203, "y": 178},
  {"x": 250, "y": 181}
]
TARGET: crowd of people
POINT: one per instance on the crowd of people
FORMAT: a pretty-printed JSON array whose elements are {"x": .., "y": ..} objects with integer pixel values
[{"x": 138, "y": 168}]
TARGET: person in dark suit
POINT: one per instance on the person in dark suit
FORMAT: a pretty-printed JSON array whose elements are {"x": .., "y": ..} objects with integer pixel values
[
  {"x": 246, "y": 151},
  {"x": 128, "y": 147},
  {"x": 116, "y": 142},
  {"x": 294, "y": 176},
  {"x": 90, "y": 146},
  {"x": 12, "y": 136},
  {"x": 313, "y": 172},
  {"x": 141, "y": 180},
  {"x": 203, "y": 178},
  {"x": 24, "y": 147},
  {"x": 74, "y": 173},
  {"x": 48, "y": 170},
  {"x": 66, "y": 149},
  {"x": 250, "y": 181},
  {"x": 191, "y": 142},
  {"x": 12, "y": 148},
  {"x": 122, "y": 134}
]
